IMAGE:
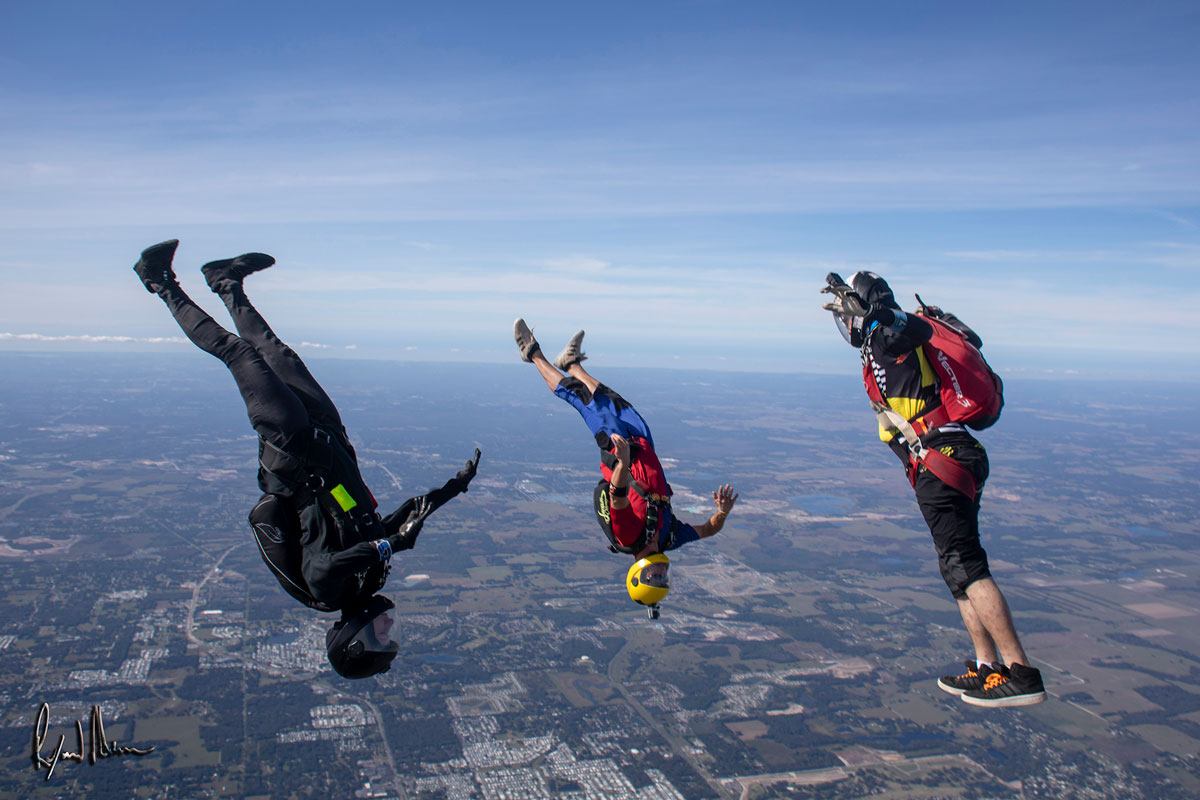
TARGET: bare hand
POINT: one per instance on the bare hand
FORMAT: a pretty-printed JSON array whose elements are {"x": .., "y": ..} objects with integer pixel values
[
  {"x": 725, "y": 497},
  {"x": 622, "y": 446}
]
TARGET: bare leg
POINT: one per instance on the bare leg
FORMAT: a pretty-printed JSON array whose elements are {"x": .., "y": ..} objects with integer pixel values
[
  {"x": 985, "y": 648},
  {"x": 549, "y": 374},
  {"x": 577, "y": 371},
  {"x": 991, "y": 611}
]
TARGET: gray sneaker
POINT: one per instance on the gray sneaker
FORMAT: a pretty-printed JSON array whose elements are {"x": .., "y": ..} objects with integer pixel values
[
  {"x": 525, "y": 341},
  {"x": 571, "y": 354}
]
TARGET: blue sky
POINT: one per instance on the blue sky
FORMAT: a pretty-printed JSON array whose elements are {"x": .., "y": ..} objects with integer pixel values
[{"x": 676, "y": 178}]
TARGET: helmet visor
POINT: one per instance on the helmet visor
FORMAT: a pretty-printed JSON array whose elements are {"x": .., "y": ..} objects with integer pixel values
[
  {"x": 655, "y": 575},
  {"x": 375, "y": 636},
  {"x": 850, "y": 327}
]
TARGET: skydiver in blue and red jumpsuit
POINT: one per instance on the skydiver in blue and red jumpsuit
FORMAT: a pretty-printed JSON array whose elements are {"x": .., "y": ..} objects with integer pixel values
[{"x": 642, "y": 522}]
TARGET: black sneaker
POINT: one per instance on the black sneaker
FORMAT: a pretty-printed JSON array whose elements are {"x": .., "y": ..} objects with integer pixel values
[
  {"x": 154, "y": 267},
  {"x": 1017, "y": 685},
  {"x": 216, "y": 273},
  {"x": 971, "y": 680}
]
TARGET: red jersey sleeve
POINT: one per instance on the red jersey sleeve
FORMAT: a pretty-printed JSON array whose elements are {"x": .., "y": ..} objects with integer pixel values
[{"x": 626, "y": 525}]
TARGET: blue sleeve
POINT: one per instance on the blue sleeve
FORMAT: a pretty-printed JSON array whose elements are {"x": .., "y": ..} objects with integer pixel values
[{"x": 684, "y": 534}]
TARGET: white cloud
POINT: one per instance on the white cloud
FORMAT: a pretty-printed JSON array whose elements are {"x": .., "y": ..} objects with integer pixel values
[
  {"x": 1179, "y": 255},
  {"x": 91, "y": 338},
  {"x": 1176, "y": 218},
  {"x": 577, "y": 264}
]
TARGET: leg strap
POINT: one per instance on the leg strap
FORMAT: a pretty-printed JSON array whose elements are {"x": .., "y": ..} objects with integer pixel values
[{"x": 947, "y": 470}]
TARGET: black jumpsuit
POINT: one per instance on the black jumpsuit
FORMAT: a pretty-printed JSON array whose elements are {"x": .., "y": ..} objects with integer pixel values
[{"x": 342, "y": 563}]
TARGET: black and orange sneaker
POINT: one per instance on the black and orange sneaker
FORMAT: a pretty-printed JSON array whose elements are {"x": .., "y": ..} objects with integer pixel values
[
  {"x": 972, "y": 679},
  {"x": 1017, "y": 685}
]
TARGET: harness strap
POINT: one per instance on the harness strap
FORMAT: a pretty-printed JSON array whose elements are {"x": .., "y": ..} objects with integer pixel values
[
  {"x": 319, "y": 452},
  {"x": 921, "y": 423},
  {"x": 289, "y": 471},
  {"x": 951, "y": 473},
  {"x": 653, "y": 506},
  {"x": 609, "y": 460},
  {"x": 313, "y": 462},
  {"x": 931, "y": 420},
  {"x": 947, "y": 470},
  {"x": 314, "y": 452}
]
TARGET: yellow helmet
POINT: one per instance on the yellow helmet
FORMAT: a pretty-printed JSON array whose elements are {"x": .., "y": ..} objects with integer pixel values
[{"x": 646, "y": 581}]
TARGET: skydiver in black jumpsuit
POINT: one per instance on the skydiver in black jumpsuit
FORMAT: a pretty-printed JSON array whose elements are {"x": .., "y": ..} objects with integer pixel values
[{"x": 316, "y": 524}]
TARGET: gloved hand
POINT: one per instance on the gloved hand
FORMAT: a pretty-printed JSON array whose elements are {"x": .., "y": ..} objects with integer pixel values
[
  {"x": 845, "y": 301},
  {"x": 465, "y": 474},
  {"x": 407, "y": 535}
]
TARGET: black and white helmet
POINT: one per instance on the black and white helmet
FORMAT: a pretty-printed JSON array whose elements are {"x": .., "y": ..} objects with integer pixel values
[{"x": 361, "y": 644}]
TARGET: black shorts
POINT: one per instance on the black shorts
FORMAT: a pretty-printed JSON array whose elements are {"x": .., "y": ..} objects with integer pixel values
[{"x": 952, "y": 517}]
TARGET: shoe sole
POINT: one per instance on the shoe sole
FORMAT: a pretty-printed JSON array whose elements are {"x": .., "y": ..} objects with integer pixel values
[
  {"x": 948, "y": 689},
  {"x": 1031, "y": 699}
]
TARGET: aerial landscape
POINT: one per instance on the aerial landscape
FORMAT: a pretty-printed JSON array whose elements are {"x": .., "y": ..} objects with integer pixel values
[
  {"x": 408, "y": 190},
  {"x": 795, "y": 657}
]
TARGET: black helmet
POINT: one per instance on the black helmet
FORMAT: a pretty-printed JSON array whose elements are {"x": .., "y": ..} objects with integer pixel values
[
  {"x": 873, "y": 289},
  {"x": 359, "y": 644},
  {"x": 868, "y": 288}
]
